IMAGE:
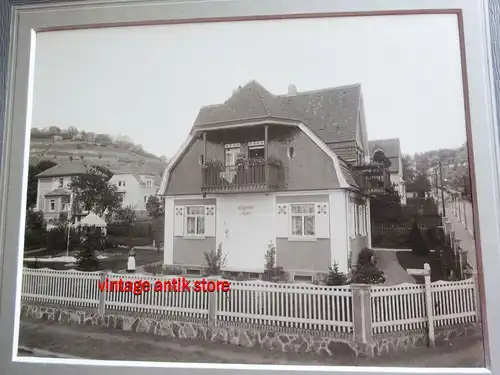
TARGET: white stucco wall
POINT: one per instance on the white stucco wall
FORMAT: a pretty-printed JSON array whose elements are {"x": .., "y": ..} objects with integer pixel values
[{"x": 245, "y": 225}]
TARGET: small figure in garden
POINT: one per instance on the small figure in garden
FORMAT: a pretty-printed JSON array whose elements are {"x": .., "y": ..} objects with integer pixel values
[{"x": 131, "y": 259}]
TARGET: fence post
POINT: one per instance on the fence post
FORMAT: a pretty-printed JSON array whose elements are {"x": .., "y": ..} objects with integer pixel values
[
  {"x": 102, "y": 295},
  {"x": 212, "y": 304},
  {"x": 429, "y": 304},
  {"x": 362, "y": 312},
  {"x": 477, "y": 299}
]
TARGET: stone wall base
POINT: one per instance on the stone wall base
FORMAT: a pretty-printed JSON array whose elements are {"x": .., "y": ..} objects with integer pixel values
[{"x": 283, "y": 342}]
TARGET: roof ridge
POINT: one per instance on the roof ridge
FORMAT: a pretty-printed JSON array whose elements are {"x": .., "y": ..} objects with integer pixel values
[{"x": 310, "y": 92}]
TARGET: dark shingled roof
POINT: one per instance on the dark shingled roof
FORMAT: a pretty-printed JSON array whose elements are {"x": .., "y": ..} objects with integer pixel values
[
  {"x": 74, "y": 168},
  {"x": 58, "y": 192},
  {"x": 331, "y": 113},
  {"x": 347, "y": 174},
  {"x": 391, "y": 148}
]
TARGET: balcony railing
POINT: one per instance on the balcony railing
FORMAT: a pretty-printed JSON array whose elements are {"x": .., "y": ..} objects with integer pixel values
[
  {"x": 243, "y": 178},
  {"x": 372, "y": 180}
]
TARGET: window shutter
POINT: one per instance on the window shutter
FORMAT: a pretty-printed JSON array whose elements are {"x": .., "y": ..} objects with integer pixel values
[
  {"x": 322, "y": 220},
  {"x": 355, "y": 215},
  {"x": 179, "y": 221},
  {"x": 351, "y": 220},
  {"x": 282, "y": 222},
  {"x": 362, "y": 220},
  {"x": 210, "y": 221}
]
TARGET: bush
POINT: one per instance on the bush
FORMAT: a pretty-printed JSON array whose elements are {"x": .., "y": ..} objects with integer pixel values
[
  {"x": 57, "y": 239},
  {"x": 215, "y": 260},
  {"x": 161, "y": 269},
  {"x": 366, "y": 270},
  {"x": 335, "y": 277},
  {"x": 417, "y": 241},
  {"x": 271, "y": 271}
]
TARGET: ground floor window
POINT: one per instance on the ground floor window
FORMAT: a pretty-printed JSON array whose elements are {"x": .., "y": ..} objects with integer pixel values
[
  {"x": 302, "y": 219},
  {"x": 195, "y": 220}
]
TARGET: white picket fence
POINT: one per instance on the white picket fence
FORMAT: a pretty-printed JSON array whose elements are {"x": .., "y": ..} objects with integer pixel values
[
  {"x": 300, "y": 306},
  {"x": 403, "y": 307}
]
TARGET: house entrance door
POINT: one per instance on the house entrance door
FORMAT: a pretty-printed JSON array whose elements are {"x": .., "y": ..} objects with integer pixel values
[{"x": 245, "y": 226}]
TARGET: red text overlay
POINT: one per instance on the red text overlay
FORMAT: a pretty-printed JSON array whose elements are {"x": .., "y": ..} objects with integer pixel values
[{"x": 180, "y": 284}]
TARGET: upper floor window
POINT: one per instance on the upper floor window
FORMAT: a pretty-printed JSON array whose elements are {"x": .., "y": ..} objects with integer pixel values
[
  {"x": 232, "y": 152},
  {"x": 121, "y": 183},
  {"x": 61, "y": 182},
  {"x": 149, "y": 183},
  {"x": 145, "y": 198},
  {"x": 256, "y": 150},
  {"x": 195, "y": 220},
  {"x": 302, "y": 219}
]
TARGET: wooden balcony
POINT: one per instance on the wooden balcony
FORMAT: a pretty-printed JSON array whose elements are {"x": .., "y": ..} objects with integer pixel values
[
  {"x": 372, "y": 179},
  {"x": 248, "y": 178}
]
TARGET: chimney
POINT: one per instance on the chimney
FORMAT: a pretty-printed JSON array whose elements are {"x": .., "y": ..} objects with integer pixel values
[{"x": 292, "y": 90}]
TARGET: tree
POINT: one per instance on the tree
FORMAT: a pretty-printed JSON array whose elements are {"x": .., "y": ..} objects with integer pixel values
[
  {"x": 93, "y": 192},
  {"x": 126, "y": 215},
  {"x": 215, "y": 260},
  {"x": 87, "y": 259},
  {"x": 335, "y": 277},
  {"x": 386, "y": 207},
  {"x": 54, "y": 130},
  {"x": 272, "y": 272},
  {"x": 103, "y": 138},
  {"x": 155, "y": 207},
  {"x": 35, "y": 221},
  {"x": 408, "y": 173},
  {"x": 366, "y": 270},
  {"x": 72, "y": 131},
  {"x": 417, "y": 241},
  {"x": 380, "y": 158},
  {"x": 33, "y": 170}
]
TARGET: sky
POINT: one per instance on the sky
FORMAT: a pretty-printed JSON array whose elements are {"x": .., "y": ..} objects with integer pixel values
[{"x": 149, "y": 82}]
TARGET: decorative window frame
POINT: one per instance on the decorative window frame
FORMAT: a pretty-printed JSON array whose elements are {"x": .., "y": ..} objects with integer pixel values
[
  {"x": 186, "y": 216},
  {"x": 303, "y": 237}
]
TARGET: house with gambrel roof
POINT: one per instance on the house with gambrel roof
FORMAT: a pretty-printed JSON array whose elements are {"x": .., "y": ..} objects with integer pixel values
[{"x": 289, "y": 171}]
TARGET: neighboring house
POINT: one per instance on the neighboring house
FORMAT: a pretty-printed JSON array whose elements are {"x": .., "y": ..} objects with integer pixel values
[
  {"x": 136, "y": 185},
  {"x": 300, "y": 185},
  {"x": 391, "y": 149},
  {"x": 53, "y": 195}
]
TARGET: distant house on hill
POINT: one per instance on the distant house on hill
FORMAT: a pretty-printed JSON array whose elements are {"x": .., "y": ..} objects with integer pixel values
[
  {"x": 136, "y": 184},
  {"x": 53, "y": 195},
  {"x": 391, "y": 149}
]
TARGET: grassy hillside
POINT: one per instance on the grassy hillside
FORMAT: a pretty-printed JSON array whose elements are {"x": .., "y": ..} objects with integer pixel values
[
  {"x": 455, "y": 165},
  {"x": 112, "y": 155}
]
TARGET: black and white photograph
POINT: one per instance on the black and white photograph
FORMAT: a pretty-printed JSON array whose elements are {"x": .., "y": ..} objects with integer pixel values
[{"x": 266, "y": 192}]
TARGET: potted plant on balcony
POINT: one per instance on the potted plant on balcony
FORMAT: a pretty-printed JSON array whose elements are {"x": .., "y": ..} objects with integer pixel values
[
  {"x": 241, "y": 165},
  {"x": 274, "y": 161},
  {"x": 212, "y": 169}
]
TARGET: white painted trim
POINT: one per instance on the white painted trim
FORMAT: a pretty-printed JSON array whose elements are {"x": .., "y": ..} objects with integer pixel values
[
  {"x": 322, "y": 145},
  {"x": 369, "y": 223},
  {"x": 168, "y": 235},
  {"x": 276, "y": 194}
]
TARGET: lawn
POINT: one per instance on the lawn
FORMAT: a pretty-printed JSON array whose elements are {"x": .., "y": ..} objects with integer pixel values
[
  {"x": 407, "y": 259},
  {"x": 116, "y": 259}
]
